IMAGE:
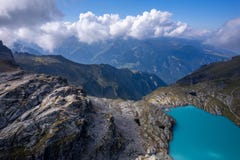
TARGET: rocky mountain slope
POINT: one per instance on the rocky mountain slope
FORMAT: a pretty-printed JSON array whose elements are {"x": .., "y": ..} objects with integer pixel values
[
  {"x": 169, "y": 58},
  {"x": 42, "y": 117},
  {"x": 214, "y": 88},
  {"x": 98, "y": 80},
  {"x": 7, "y": 61}
]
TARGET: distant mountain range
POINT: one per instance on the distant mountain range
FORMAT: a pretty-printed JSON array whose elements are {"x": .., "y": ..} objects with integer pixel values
[
  {"x": 21, "y": 46},
  {"x": 98, "y": 80},
  {"x": 169, "y": 58}
]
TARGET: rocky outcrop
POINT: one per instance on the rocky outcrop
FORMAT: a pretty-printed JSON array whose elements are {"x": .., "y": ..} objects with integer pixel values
[
  {"x": 207, "y": 96},
  {"x": 42, "y": 117},
  {"x": 146, "y": 126},
  {"x": 7, "y": 61},
  {"x": 6, "y": 53}
]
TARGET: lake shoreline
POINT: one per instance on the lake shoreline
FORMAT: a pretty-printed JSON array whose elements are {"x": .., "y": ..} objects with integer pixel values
[{"x": 193, "y": 126}]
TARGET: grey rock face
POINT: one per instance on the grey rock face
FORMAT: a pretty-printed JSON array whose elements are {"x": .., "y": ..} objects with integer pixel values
[
  {"x": 7, "y": 61},
  {"x": 42, "y": 117},
  {"x": 5, "y": 53},
  {"x": 146, "y": 128}
]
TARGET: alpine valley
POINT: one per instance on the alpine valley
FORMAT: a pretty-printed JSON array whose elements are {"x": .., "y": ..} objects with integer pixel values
[{"x": 168, "y": 58}]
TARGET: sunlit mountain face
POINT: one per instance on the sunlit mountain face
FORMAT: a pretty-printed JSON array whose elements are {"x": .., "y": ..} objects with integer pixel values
[{"x": 114, "y": 79}]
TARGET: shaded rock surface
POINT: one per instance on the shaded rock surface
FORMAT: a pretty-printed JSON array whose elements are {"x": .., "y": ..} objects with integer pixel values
[
  {"x": 7, "y": 61},
  {"x": 146, "y": 126},
  {"x": 42, "y": 117}
]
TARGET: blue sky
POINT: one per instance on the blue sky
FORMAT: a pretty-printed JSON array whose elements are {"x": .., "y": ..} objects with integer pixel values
[{"x": 207, "y": 14}]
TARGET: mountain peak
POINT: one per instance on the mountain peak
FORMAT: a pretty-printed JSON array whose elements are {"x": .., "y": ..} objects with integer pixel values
[{"x": 6, "y": 59}]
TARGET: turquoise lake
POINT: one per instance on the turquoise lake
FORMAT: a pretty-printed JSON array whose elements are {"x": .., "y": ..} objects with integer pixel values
[{"x": 199, "y": 135}]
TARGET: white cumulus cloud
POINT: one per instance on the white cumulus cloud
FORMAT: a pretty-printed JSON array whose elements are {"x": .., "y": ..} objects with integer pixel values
[
  {"x": 36, "y": 22},
  {"x": 155, "y": 23},
  {"x": 228, "y": 36}
]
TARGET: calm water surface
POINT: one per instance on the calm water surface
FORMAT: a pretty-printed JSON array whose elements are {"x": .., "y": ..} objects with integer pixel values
[{"x": 199, "y": 135}]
